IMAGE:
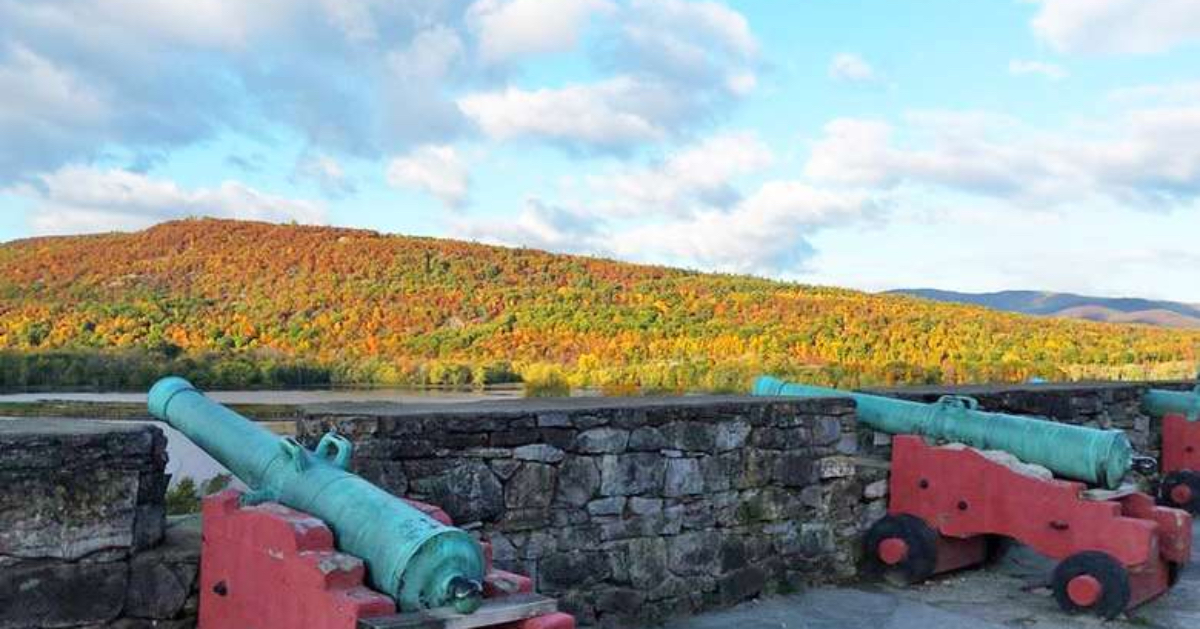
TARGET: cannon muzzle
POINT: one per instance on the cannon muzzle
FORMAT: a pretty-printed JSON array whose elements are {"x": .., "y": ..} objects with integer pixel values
[
  {"x": 409, "y": 556},
  {"x": 1098, "y": 457},
  {"x": 1160, "y": 403}
]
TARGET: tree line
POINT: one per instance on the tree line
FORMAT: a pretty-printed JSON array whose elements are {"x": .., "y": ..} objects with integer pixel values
[{"x": 235, "y": 304}]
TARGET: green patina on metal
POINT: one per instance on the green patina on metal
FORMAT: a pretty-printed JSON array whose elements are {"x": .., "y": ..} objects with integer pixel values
[
  {"x": 1098, "y": 457},
  {"x": 1159, "y": 403},
  {"x": 411, "y": 557}
]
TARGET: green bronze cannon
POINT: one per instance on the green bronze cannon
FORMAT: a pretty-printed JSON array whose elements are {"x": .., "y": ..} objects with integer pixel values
[
  {"x": 409, "y": 556},
  {"x": 1160, "y": 403},
  {"x": 1178, "y": 413},
  {"x": 1098, "y": 457}
]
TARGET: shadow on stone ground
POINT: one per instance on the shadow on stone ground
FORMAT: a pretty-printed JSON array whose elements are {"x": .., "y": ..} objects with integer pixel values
[{"x": 1011, "y": 594}]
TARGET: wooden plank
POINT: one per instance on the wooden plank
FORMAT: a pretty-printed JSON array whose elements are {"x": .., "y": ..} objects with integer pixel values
[{"x": 494, "y": 611}]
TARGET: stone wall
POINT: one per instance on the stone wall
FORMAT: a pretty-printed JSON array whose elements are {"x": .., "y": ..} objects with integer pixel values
[
  {"x": 83, "y": 540},
  {"x": 630, "y": 510}
]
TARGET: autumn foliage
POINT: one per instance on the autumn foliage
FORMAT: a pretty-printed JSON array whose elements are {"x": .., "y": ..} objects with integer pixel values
[{"x": 241, "y": 303}]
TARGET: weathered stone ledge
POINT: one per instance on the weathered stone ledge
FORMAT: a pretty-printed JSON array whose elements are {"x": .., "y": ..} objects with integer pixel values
[{"x": 83, "y": 541}]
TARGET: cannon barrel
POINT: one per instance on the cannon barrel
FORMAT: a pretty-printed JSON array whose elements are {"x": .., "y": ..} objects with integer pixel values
[
  {"x": 409, "y": 556},
  {"x": 1098, "y": 457},
  {"x": 1159, "y": 403}
]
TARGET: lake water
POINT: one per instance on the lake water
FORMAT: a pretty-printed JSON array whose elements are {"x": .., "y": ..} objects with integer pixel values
[{"x": 291, "y": 396}]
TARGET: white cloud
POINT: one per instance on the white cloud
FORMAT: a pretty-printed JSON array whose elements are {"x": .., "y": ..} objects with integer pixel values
[
  {"x": 355, "y": 78},
  {"x": 1020, "y": 67},
  {"x": 610, "y": 114},
  {"x": 77, "y": 199},
  {"x": 223, "y": 24},
  {"x": 1147, "y": 158},
  {"x": 850, "y": 67},
  {"x": 436, "y": 170},
  {"x": 701, "y": 48},
  {"x": 768, "y": 232},
  {"x": 510, "y": 29},
  {"x": 49, "y": 103},
  {"x": 686, "y": 209},
  {"x": 1117, "y": 26},
  {"x": 1182, "y": 93},
  {"x": 701, "y": 174},
  {"x": 673, "y": 67},
  {"x": 326, "y": 172},
  {"x": 982, "y": 246},
  {"x": 353, "y": 18},
  {"x": 39, "y": 91},
  {"x": 861, "y": 153},
  {"x": 741, "y": 83},
  {"x": 538, "y": 225},
  {"x": 142, "y": 78},
  {"x": 710, "y": 21},
  {"x": 430, "y": 56}
]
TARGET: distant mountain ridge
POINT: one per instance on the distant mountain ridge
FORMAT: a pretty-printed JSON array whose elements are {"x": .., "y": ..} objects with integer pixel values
[{"x": 1170, "y": 314}]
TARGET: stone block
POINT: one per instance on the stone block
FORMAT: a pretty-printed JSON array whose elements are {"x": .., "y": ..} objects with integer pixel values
[
  {"x": 740, "y": 585},
  {"x": 721, "y": 472},
  {"x": 691, "y": 436},
  {"x": 564, "y": 570},
  {"x": 468, "y": 492},
  {"x": 683, "y": 478},
  {"x": 826, "y": 431},
  {"x": 646, "y": 561},
  {"x": 386, "y": 474},
  {"x": 633, "y": 526},
  {"x": 540, "y": 452},
  {"x": 553, "y": 420},
  {"x": 162, "y": 579},
  {"x": 73, "y": 488},
  {"x": 53, "y": 593},
  {"x": 530, "y": 486},
  {"x": 607, "y": 506},
  {"x": 731, "y": 435},
  {"x": 876, "y": 490},
  {"x": 781, "y": 438},
  {"x": 847, "y": 444},
  {"x": 602, "y": 440},
  {"x": 620, "y": 600},
  {"x": 631, "y": 474},
  {"x": 646, "y": 438},
  {"x": 795, "y": 469},
  {"x": 645, "y": 506},
  {"x": 835, "y": 467},
  {"x": 697, "y": 553},
  {"x": 503, "y": 468},
  {"x": 578, "y": 481}
]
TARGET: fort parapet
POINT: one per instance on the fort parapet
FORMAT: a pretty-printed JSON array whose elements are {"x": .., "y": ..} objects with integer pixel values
[{"x": 630, "y": 511}]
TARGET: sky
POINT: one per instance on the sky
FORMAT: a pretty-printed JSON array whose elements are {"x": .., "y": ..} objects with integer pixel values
[{"x": 872, "y": 144}]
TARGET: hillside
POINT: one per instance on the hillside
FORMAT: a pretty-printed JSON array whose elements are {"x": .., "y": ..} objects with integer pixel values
[
  {"x": 239, "y": 303},
  {"x": 1116, "y": 310}
]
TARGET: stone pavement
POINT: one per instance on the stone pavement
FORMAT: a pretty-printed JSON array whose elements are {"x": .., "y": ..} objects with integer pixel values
[{"x": 1011, "y": 594}]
